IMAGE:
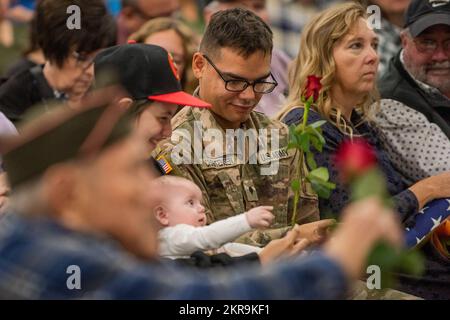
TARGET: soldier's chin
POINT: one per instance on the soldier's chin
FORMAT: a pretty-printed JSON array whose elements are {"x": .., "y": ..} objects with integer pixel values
[{"x": 242, "y": 117}]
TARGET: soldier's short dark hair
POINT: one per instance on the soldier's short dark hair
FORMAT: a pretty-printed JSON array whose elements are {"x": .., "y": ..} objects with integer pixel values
[
  {"x": 238, "y": 29},
  {"x": 98, "y": 29}
]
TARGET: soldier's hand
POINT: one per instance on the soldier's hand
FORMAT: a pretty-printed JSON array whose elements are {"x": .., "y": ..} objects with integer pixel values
[
  {"x": 260, "y": 217},
  {"x": 315, "y": 232},
  {"x": 287, "y": 246}
]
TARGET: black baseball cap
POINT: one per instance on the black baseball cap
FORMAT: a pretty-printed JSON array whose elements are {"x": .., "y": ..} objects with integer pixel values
[
  {"x": 146, "y": 72},
  {"x": 422, "y": 14},
  {"x": 63, "y": 134}
]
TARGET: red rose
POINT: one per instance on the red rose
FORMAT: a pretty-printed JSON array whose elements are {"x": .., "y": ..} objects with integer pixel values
[
  {"x": 354, "y": 158},
  {"x": 313, "y": 87}
]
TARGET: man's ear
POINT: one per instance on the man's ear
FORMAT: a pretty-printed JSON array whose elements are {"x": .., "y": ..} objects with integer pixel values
[
  {"x": 404, "y": 37},
  {"x": 59, "y": 184},
  {"x": 161, "y": 215},
  {"x": 125, "y": 103},
  {"x": 198, "y": 64}
]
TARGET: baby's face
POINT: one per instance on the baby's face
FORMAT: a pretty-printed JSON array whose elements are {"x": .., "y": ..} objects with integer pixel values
[{"x": 184, "y": 205}]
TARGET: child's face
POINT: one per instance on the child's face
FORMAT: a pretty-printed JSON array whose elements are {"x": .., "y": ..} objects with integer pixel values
[{"x": 184, "y": 205}]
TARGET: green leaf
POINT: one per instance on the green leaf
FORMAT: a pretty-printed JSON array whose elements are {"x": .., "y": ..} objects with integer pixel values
[
  {"x": 321, "y": 173},
  {"x": 310, "y": 161},
  {"x": 292, "y": 134},
  {"x": 319, "y": 130},
  {"x": 299, "y": 128},
  {"x": 317, "y": 124},
  {"x": 392, "y": 261},
  {"x": 316, "y": 144},
  {"x": 294, "y": 142},
  {"x": 329, "y": 185},
  {"x": 322, "y": 191},
  {"x": 412, "y": 262},
  {"x": 319, "y": 136},
  {"x": 385, "y": 257},
  {"x": 316, "y": 133},
  {"x": 295, "y": 185},
  {"x": 292, "y": 145},
  {"x": 304, "y": 141},
  {"x": 303, "y": 98},
  {"x": 321, "y": 187},
  {"x": 370, "y": 184}
]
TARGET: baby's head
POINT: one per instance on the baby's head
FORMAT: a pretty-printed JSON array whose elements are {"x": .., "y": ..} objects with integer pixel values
[{"x": 178, "y": 201}]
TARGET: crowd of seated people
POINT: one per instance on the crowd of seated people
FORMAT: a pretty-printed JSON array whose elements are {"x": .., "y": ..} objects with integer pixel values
[{"x": 126, "y": 149}]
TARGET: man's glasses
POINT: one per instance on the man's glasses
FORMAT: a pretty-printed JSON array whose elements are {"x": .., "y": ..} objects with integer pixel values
[
  {"x": 430, "y": 46},
  {"x": 259, "y": 86}
]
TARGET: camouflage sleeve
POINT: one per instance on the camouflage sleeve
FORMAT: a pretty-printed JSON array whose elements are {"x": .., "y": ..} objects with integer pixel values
[
  {"x": 308, "y": 205},
  {"x": 260, "y": 238}
]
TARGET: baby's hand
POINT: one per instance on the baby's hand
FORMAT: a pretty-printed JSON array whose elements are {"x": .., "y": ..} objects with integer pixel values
[{"x": 260, "y": 217}]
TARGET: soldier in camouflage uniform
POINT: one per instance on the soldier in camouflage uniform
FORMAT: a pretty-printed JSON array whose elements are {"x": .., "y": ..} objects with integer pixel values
[
  {"x": 240, "y": 43},
  {"x": 235, "y": 54}
]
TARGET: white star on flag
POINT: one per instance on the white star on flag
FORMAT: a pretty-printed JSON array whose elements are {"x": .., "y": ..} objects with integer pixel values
[
  {"x": 407, "y": 229},
  {"x": 448, "y": 200},
  {"x": 423, "y": 210},
  {"x": 436, "y": 222},
  {"x": 419, "y": 240}
]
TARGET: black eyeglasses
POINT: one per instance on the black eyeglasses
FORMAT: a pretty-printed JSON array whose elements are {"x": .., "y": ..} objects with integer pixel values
[
  {"x": 259, "y": 86},
  {"x": 430, "y": 46},
  {"x": 84, "y": 60}
]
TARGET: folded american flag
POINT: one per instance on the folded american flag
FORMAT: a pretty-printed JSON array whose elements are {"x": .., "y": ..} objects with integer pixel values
[{"x": 430, "y": 217}]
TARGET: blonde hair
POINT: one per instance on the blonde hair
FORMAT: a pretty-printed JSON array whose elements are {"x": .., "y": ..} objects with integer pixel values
[
  {"x": 189, "y": 39},
  {"x": 316, "y": 58}
]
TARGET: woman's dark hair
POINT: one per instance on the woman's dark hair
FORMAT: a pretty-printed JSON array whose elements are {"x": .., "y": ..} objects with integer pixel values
[{"x": 97, "y": 31}]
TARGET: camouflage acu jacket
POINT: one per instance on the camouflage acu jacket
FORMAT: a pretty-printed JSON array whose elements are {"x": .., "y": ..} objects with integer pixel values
[{"x": 237, "y": 177}]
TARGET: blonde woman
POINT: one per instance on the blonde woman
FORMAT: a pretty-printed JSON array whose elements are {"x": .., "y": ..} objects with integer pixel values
[
  {"x": 339, "y": 46},
  {"x": 177, "y": 39}
]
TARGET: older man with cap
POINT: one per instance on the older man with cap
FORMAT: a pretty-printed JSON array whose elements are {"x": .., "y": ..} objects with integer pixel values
[
  {"x": 415, "y": 106},
  {"x": 79, "y": 223},
  {"x": 414, "y": 120}
]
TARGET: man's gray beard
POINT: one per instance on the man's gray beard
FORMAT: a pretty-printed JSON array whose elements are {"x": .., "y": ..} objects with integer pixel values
[{"x": 420, "y": 74}]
